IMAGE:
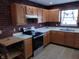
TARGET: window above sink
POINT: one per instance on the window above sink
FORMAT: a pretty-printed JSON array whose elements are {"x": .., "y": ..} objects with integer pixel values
[{"x": 69, "y": 17}]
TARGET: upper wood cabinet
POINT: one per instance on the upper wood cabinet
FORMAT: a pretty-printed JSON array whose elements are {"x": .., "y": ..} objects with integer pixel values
[
  {"x": 40, "y": 15},
  {"x": 35, "y": 10},
  {"x": 18, "y": 14},
  {"x": 30, "y": 10},
  {"x": 54, "y": 15},
  {"x": 45, "y": 15}
]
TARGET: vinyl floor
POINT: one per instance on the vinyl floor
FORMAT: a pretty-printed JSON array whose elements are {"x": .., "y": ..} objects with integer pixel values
[{"x": 57, "y": 52}]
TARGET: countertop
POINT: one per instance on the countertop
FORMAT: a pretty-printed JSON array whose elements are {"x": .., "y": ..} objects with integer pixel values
[
  {"x": 18, "y": 37},
  {"x": 46, "y": 29}
]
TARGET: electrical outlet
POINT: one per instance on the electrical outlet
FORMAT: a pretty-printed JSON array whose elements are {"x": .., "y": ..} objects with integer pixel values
[
  {"x": 14, "y": 30},
  {"x": 19, "y": 29},
  {"x": 0, "y": 32},
  {"x": 40, "y": 25}
]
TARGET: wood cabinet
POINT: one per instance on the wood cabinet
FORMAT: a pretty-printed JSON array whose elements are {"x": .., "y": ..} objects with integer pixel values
[
  {"x": 40, "y": 15},
  {"x": 31, "y": 10},
  {"x": 18, "y": 14},
  {"x": 65, "y": 38},
  {"x": 35, "y": 10},
  {"x": 57, "y": 37},
  {"x": 46, "y": 38},
  {"x": 28, "y": 47},
  {"x": 45, "y": 15},
  {"x": 76, "y": 44},
  {"x": 54, "y": 15},
  {"x": 69, "y": 39}
]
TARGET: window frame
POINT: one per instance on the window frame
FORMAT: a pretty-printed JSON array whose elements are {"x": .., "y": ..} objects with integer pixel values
[{"x": 60, "y": 18}]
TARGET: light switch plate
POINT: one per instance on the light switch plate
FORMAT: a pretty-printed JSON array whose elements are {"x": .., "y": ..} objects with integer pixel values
[
  {"x": 14, "y": 30},
  {"x": 0, "y": 32}
]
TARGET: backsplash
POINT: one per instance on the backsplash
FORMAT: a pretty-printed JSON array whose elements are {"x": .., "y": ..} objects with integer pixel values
[
  {"x": 57, "y": 24},
  {"x": 9, "y": 30},
  {"x": 52, "y": 23}
]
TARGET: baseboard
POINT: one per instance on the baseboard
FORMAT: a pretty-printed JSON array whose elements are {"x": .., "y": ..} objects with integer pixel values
[
  {"x": 64, "y": 45},
  {"x": 30, "y": 56},
  {"x": 47, "y": 45}
]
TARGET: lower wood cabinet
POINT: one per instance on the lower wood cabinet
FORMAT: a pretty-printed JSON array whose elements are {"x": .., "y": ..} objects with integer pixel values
[
  {"x": 57, "y": 37},
  {"x": 28, "y": 47},
  {"x": 69, "y": 39},
  {"x": 76, "y": 44},
  {"x": 46, "y": 38}
]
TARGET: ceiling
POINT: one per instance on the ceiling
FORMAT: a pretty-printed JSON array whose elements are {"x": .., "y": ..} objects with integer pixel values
[{"x": 52, "y": 2}]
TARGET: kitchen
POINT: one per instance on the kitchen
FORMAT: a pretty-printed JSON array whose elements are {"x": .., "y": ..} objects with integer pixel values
[{"x": 39, "y": 29}]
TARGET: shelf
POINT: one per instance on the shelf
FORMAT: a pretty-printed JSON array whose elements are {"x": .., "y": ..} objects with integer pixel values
[
  {"x": 13, "y": 50},
  {"x": 14, "y": 54}
]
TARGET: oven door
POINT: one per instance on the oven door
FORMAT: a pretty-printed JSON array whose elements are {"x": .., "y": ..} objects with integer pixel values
[{"x": 37, "y": 42}]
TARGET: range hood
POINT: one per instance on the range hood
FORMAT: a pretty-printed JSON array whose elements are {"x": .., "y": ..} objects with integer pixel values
[{"x": 31, "y": 16}]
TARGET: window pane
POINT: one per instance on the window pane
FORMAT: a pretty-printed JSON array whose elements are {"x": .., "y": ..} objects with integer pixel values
[{"x": 69, "y": 17}]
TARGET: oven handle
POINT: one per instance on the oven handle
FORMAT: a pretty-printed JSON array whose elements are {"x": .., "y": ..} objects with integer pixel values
[{"x": 39, "y": 36}]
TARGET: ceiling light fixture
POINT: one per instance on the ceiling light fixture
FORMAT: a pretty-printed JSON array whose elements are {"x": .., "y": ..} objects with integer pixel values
[{"x": 50, "y": 3}]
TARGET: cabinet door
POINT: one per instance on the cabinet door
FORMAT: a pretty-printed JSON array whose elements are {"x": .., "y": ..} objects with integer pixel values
[
  {"x": 76, "y": 45},
  {"x": 45, "y": 15},
  {"x": 69, "y": 39},
  {"x": 28, "y": 47},
  {"x": 40, "y": 14},
  {"x": 18, "y": 14},
  {"x": 29, "y": 10},
  {"x": 54, "y": 15},
  {"x": 57, "y": 37},
  {"x": 46, "y": 38},
  {"x": 34, "y": 10}
]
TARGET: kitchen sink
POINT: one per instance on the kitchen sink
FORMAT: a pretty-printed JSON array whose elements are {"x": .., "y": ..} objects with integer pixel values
[{"x": 67, "y": 30}]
